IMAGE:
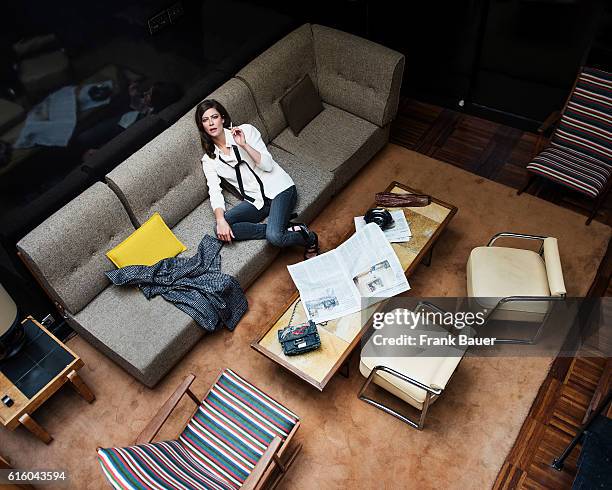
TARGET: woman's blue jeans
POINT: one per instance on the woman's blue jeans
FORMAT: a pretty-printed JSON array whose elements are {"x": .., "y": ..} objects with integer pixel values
[{"x": 244, "y": 219}]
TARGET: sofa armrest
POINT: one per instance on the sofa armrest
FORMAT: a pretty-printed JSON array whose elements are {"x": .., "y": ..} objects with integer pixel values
[
  {"x": 66, "y": 252},
  {"x": 358, "y": 75}
]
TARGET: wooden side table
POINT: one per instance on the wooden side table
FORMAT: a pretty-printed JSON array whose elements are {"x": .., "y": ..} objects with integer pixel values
[{"x": 33, "y": 375}]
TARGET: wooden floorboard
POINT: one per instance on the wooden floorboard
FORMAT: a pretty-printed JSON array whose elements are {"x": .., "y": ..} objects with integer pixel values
[
  {"x": 489, "y": 149},
  {"x": 500, "y": 153}
]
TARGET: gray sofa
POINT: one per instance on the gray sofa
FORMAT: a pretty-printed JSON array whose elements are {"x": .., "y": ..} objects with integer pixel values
[{"x": 358, "y": 82}]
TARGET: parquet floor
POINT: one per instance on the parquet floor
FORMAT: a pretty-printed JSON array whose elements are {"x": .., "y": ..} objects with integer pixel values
[
  {"x": 486, "y": 148},
  {"x": 500, "y": 153}
]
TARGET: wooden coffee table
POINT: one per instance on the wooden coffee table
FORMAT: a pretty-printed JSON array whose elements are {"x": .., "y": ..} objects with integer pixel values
[{"x": 339, "y": 337}]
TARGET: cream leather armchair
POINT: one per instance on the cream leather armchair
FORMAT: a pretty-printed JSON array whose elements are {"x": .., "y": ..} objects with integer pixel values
[
  {"x": 516, "y": 285},
  {"x": 420, "y": 374}
]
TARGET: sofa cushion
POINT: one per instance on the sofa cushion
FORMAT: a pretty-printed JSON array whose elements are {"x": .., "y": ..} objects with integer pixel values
[
  {"x": 242, "y": 260},
  {"x": 314, "y": 184},
  {"x": 335, "y": 140},
  {"x": 165, "y": 176},
  {"x": 66, "y": 252},
  {"x": 145, "y": 337},
  {"x": 273, "y": 73},
  {"x": 357, "y": 75},
  {"x": 149, "y": 244},
  {"x": 301, "y": 104}
]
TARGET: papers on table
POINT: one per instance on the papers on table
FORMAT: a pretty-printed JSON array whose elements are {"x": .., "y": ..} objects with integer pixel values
[
  {"x": 399, "y": 232},
  {"x": 85, "y": 100},
  {"x": 335, "y": 283},
  {"x": 52, "y": 122}
]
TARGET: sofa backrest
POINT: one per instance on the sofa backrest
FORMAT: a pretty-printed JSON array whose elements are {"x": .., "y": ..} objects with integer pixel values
[
  {"x": 66, "y": 252},
  {"x": 357, "y": 75},
  {"x": 164, "y": 176},
  {"x": 275, "y": 71},
  {"x": 236, "y": 97}
]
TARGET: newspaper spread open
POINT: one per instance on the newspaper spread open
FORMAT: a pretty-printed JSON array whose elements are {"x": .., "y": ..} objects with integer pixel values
[{"x": 333, "y": 284}]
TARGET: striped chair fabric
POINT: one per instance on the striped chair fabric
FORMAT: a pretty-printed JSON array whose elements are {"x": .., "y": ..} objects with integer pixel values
[
  {"x": 230, "y": 431},
  {"x": 580, "y": 152}
]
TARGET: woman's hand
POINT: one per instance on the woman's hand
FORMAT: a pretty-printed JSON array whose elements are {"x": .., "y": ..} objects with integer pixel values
[
  {"x": 238, "y": 135},
  {"x": 224, "y": 231}
]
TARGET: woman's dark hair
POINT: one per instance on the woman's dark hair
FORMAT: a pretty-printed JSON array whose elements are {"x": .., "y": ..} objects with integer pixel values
[{"x": 205, "y": 139}]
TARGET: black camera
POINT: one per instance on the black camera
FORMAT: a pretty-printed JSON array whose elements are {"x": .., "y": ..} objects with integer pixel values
[{"x": 381, "y": 217}]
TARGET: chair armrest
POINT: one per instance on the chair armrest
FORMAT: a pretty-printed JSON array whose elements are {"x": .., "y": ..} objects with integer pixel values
[
  {"x": 549, "y": 122},
  {"x": 543, "y": 132},
  {"x": 358, "y": 75},
  {"x": 554, "y": 271},
  {"x": 253, "y": 480},
  {"x": 533, "y": 299},
  {"x": 522, "y": 236},
  {"x": 156, "y": 423},
  {"x": 524, "y": 299},
  {"x": 407, "y": 379}
]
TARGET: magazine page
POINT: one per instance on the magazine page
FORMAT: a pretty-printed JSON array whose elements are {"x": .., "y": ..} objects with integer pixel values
[
  {"x": 334, "y": 284},
  {"x": 372, "y": 264},
  {"x": 325, "y": 288}
]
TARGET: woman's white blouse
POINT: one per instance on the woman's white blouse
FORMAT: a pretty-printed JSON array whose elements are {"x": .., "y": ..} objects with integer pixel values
[{"x": 275, "y": 180}]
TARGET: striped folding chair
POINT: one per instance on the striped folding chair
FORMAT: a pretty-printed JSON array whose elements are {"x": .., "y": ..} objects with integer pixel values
[
  {"x": 238, "y": 437},
  {"x": 579, "y": 155}
]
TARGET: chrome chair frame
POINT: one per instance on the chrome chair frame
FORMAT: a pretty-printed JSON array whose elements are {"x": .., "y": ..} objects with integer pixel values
[
  {"x": 509, "y": 299},
  {"x": 431, "y": 393}
]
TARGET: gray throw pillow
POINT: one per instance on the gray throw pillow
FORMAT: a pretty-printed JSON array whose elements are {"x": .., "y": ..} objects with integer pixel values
[{"x": 301, "y": 105}]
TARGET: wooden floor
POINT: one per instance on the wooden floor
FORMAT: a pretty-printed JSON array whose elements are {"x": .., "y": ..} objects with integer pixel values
[
  {"x": 486, "y": 148},
  {"x": 500, "y": 153}
]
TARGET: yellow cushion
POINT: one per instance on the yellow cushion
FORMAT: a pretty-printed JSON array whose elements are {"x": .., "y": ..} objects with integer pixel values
[{"x": 149, "y": 244}]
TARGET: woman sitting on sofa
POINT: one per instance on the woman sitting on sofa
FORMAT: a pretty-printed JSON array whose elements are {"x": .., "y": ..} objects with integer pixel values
[{"x": 238, "y": 155}]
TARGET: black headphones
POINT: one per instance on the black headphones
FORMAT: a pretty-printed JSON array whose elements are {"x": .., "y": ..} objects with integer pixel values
[{"x": 380, "y": 216}]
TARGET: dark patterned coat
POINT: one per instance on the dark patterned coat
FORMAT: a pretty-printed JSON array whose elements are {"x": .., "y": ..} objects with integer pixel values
[{"x": 194, "y": 285}]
